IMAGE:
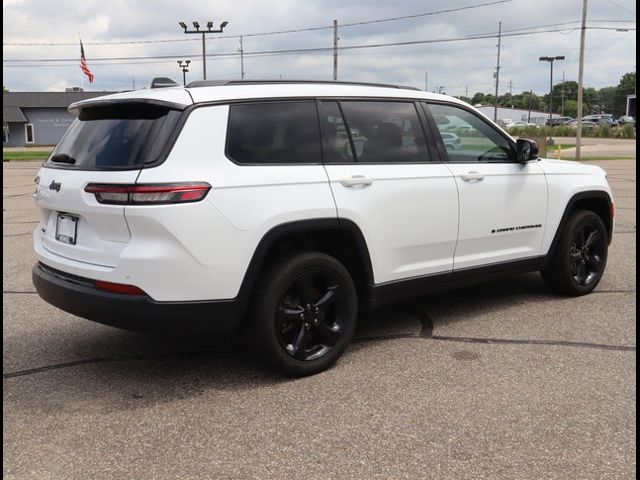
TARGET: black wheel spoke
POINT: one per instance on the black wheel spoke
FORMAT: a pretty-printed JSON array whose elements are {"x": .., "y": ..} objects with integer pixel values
[
  {"x": 298, "y": 348},
  {"x": 581, "y": 275},
  {"x": 595, "y": 262},
  {"x": 582, "y": 237},
  {"x": 328, "y": 298},
  {"x": 288, "y": 316},
  {"x": 592, "y": 238},
  {"x": 328, "y": 335}
]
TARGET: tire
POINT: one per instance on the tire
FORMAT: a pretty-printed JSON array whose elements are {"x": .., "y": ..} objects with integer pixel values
[
  {"x": 579, "y": 260},
  {"x": 304, "y": 312}
]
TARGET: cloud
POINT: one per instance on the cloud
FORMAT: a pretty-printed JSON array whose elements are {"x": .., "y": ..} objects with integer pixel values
[{"x": 457, "y": 66}]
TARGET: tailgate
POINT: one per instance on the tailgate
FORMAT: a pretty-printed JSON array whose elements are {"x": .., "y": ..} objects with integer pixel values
[{"x": 74, "y": 225}]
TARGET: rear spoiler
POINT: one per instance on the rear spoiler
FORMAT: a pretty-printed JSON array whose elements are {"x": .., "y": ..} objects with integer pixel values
[{"x": 76, "y": 107}]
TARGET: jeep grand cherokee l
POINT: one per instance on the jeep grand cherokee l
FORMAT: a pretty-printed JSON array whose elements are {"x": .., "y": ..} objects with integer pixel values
[{"x": 285, "y": 207}]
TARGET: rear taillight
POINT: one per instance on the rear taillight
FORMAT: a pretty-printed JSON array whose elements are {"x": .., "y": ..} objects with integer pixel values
[
  {"x": 152, "y": 194},
  {"x": 613, "y": 210},
  {"x": 119, "y": 288}
]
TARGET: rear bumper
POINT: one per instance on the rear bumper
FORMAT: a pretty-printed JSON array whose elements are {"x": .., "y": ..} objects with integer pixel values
[{"x": 75, "y": 295}]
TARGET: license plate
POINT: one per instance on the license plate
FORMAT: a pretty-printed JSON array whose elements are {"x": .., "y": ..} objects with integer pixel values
[{"x": 66, "y": 228}]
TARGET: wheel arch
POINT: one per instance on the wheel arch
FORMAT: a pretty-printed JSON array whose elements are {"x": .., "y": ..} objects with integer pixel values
[
  {"x": 597, "y": 201},
  {"x": 339, "y": 238}
]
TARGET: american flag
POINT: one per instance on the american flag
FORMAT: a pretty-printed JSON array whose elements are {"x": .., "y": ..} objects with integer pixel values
[{"x": 83, "y": 64}]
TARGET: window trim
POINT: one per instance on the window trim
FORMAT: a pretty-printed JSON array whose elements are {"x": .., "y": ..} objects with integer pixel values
[
  {"x": 26, "y": 135},
  {"x": 431, "y": 158},
  {"x": 252, "y": 101},
  {"x": 440, "y": 142}
]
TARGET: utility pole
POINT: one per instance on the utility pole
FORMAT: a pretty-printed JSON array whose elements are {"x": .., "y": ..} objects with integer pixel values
[
  {"x": 583, "y": 31},
  {"x": 497, "y": 74},
  {"x": 426, "y": 84},
  {"x": 562, "y": 96},
  {"x": 466, "y": 91},
  {"x": 510, "y": 87},
  {"x": 530, "y": 97},
  {"x": 241, "y": 59},
  {"x": 335, "y": 50},
  {"x": 197, "y": 30}
]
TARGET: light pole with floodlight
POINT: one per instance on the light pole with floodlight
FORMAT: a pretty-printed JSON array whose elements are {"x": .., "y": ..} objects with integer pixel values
[{"x": 209, "y": 29}]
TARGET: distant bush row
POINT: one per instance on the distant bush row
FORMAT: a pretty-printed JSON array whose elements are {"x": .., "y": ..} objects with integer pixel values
[{"x": 604, "y": 131}]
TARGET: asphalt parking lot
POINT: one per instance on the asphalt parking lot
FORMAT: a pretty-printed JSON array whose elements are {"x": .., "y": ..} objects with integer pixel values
[{"x": 503, "y": 380}]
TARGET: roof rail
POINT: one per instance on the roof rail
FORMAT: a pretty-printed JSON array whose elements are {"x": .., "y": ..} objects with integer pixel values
[{"x": 217, "y": 83}]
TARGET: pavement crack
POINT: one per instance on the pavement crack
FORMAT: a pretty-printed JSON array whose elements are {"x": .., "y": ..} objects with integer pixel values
[
  {"x": 6, "y": 197},
  {"x": 561, "y": 343},
  {"x": 17, "y": 234},
  {"x": 115, "y": 358}
]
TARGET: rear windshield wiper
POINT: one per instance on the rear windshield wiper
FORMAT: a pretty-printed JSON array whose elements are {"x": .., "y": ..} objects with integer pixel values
[{"x": 63, "y": 158}]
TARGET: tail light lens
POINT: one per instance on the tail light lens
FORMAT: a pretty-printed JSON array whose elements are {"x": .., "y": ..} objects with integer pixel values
[{"x": 152, "y": 194}]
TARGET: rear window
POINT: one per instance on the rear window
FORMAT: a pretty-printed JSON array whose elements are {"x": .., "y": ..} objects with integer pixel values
[
  {"x": 115, "y": 137},
  {"x": 274, "y": 133}
]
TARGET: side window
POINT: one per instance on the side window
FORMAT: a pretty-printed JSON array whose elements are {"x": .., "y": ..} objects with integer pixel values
[
  {"x": 385, "y": 132},
  {"x": 336, "y": 146},
  {"x": 468, "y": 138},
  {"x": 274, "y": 133}
]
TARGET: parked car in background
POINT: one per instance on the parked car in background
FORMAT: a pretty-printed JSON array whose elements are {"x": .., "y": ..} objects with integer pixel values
[
  {"x": 585, "y": 124},
  {"x": 554, "y": 122},
  {"x": 519, "y": 123},
  {"x": 626, "y": 119},
  {"x": 451, "y": 140},
  {"x": 601, "y": 119}
]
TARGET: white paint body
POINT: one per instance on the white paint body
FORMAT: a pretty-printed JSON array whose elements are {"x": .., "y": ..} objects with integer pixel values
[{"x": 417, "y": 219}]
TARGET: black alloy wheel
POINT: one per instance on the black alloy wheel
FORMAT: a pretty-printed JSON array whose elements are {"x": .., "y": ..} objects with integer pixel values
[
  {"x": 579, "y": 259},
  {"x": 310, "y": 317},
  {"x": 586, "y": 255},
  {"x": 304, "y": 313}
]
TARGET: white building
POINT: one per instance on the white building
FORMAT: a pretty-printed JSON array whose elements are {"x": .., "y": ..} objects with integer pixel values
[{"x": 508, "y": 115}]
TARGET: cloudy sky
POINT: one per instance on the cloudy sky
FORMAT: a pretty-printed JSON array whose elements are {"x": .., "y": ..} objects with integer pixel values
[{"x": 117, "y": 30}]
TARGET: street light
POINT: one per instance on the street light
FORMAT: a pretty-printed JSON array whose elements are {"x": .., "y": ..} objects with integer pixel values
[
  {"x": 203, "y": 32},
  {"x": 185, "y": 68},
  {"x": 551, "y": 60}
]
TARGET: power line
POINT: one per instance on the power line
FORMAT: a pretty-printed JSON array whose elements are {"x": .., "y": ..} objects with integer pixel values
[
  {"x": 279, "y": 32},
  {"x": 621, "y": 7},
  {"x": 100, "y": 60}
]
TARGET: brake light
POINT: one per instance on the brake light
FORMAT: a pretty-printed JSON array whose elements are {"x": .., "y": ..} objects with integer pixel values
[
  {"x": 119, "y": 288},
  {"x": 152, "y": 194},
  {"x": 613, "y": 210}
]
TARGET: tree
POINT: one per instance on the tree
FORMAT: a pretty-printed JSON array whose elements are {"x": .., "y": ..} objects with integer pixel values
[
  {"x": 4, "y": 89},
  {"x": 627, "y": 86}
]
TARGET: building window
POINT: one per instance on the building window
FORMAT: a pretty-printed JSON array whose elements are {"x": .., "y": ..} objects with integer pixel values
[
  {"x": 28, "y": 133},
  {"x": 5, "y": 134}
]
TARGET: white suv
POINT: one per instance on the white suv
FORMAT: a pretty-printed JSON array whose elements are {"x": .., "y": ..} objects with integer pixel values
[{"x": 294, "y": 204}]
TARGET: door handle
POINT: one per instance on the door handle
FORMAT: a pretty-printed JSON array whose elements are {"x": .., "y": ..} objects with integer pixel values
[
  {"x": 356, "y": 181},
  {"x": 472, "y": 176}
]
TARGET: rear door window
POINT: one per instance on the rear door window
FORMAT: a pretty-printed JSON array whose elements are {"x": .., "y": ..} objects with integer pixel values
[
  {"x": 273, "y": 133},
  {"x": 115, "y": 137},
  {"x": 385, "y": 131}
]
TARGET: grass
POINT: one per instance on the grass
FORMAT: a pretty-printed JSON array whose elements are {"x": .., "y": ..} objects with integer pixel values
[
  {"x": 13, "y": 156},
  {"x": 587, "y": 159}
]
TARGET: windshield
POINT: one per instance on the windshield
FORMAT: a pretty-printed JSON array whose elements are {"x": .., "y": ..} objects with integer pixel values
[{"x": 115, "y": 137}]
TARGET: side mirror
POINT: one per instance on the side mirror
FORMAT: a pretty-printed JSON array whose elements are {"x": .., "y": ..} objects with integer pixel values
[{"x": 526, "y": 150}]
